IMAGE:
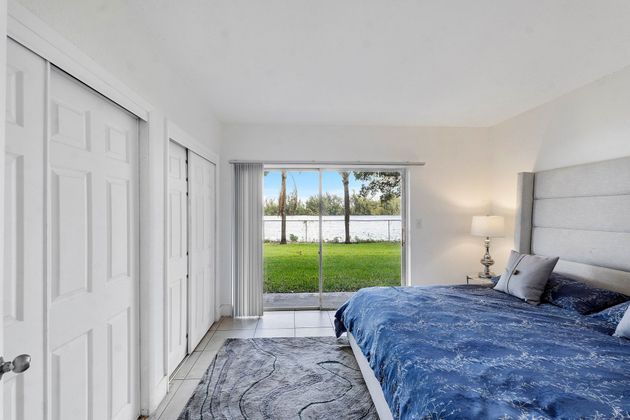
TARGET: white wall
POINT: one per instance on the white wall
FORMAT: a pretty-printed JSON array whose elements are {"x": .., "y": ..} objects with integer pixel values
[
  {"x": 586, "y": 125},
  {"x": 362, "y": 228},
  {"x": 444, "y": 194}
]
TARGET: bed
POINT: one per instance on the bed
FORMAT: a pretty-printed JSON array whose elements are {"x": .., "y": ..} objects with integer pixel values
[{"x": 473, "y": 352}]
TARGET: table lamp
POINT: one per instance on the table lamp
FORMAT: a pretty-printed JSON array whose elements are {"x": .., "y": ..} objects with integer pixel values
[{"x": 488, "y": 227}]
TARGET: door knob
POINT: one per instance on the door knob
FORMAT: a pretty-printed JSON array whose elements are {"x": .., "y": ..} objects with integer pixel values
[{"x": 18, "y": 365}]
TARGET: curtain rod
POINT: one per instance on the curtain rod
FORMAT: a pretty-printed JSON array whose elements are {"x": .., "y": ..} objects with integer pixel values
[{"x": 328, "y": 163}]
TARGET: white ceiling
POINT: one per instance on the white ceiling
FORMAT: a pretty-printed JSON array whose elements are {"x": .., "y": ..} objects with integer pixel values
[{"x": 433, "y": 63}]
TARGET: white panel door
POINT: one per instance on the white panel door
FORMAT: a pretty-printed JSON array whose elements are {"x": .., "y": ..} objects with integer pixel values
[
  {"x": 201, "y": 184},
  {"x": 23, "y": 277},
  {"x": 177, "y": 255},
  {"x": 93, "y": 270}
]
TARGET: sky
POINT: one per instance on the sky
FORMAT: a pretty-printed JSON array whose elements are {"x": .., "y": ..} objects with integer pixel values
[{"x": 307, "y": 183}]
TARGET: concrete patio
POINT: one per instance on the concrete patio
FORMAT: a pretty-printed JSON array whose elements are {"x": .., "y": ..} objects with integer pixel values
[{"x": 330, "y": 300}]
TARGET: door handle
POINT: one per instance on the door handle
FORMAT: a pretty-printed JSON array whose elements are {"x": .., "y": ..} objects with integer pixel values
[{"x": 18, "y": 365}]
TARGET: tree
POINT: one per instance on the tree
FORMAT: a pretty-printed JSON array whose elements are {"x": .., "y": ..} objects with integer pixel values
[
  {"x": 332, "y": 205},
  {"x": 346, "y": 204},
  {"x": 271, "y": 207},
  {"x": 311, "y": 205},
  {"x": 391, "y": 207},
  {"x": 384, "y": 184},
  {"x": 282, "y": 204},
  {"x": 293, "y": 204},
  {"x": 363, "y": 206}
]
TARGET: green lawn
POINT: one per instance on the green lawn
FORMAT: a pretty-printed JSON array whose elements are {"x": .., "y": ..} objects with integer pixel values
[{"x": 293, "y": 268}]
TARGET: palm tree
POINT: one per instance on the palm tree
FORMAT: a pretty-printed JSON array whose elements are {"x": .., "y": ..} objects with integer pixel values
[
  {"x": 346, "y": 204},
  {"x": 282, "y": 208}
]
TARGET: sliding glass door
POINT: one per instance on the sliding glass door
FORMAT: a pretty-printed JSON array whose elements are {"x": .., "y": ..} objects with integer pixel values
[
  {"x": 330, "y": 232},
  {"x": 361, "y": 233}
]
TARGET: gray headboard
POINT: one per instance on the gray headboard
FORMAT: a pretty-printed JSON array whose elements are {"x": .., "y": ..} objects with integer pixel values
[{"x": 581, "y": 214}]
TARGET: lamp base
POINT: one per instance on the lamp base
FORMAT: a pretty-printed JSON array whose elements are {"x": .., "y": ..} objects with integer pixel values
[{"x": 486, "y": 261}]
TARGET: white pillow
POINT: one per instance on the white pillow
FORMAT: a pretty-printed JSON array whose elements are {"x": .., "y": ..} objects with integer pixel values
[
  {"x": 623, "y": 329},
  {"x": 526, "y": 276}
]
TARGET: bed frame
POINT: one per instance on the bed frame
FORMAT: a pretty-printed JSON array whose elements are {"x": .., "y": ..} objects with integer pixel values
[
  {"x": 373, "y": 385},
  {"x": 582, "y": 215},
  {"x": 579, "y": 213}
]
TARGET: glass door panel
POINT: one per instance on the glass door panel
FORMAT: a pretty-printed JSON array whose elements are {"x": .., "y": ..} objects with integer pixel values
[
  {"x": 291, "y": 234},
  {"x": 361, "y": 232}
]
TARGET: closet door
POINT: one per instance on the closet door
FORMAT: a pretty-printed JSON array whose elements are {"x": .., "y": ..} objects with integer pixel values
[
  {"x": 177, "y": 255},
  {"x": 93, "y": 277},
  {"x": 201, "y": 184},
  {"x": 23, "y": 277}
]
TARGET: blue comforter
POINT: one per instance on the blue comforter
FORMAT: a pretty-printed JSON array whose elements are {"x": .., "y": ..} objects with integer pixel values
[{"x": 473, "y": 352}]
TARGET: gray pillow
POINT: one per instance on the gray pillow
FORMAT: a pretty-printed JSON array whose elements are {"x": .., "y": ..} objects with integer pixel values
[
  {"x": 623, "y": 329},
  {"x": 526, "y": 276}
]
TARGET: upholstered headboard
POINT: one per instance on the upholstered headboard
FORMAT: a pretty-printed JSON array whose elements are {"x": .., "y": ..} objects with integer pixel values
[{"x": 581, "y": 214}]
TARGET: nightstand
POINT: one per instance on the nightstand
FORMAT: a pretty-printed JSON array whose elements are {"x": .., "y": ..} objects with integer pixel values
[{"x": 475, "y": 279}]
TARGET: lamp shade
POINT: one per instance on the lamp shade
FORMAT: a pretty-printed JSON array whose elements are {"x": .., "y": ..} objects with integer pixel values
[{"x": 490, "y": 226}]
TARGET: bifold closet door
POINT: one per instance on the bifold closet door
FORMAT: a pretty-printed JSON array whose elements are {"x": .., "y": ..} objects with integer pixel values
[
  {"x": 93, "y": 277},
  {"x": 177, "y": 255},
  {"x": 201, "y": 187},
  {"x": 23, "y": 277}
]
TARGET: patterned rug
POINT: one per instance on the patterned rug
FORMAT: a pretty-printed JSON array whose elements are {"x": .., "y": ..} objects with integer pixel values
[{"x": 282, "y": 378}]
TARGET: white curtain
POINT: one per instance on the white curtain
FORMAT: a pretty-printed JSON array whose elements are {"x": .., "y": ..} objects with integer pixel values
[{"x": 248, "y": 239}]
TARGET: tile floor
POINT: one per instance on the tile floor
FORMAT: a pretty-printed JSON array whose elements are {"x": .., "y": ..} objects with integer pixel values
[{"x": 272, "y": 324}]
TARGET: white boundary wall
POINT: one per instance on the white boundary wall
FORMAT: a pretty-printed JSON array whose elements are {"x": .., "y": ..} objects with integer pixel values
[{"x": 362, "y": 228}]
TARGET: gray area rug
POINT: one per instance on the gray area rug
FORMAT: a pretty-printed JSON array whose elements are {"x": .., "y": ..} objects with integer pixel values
[{"x": 282, "y": 378}]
